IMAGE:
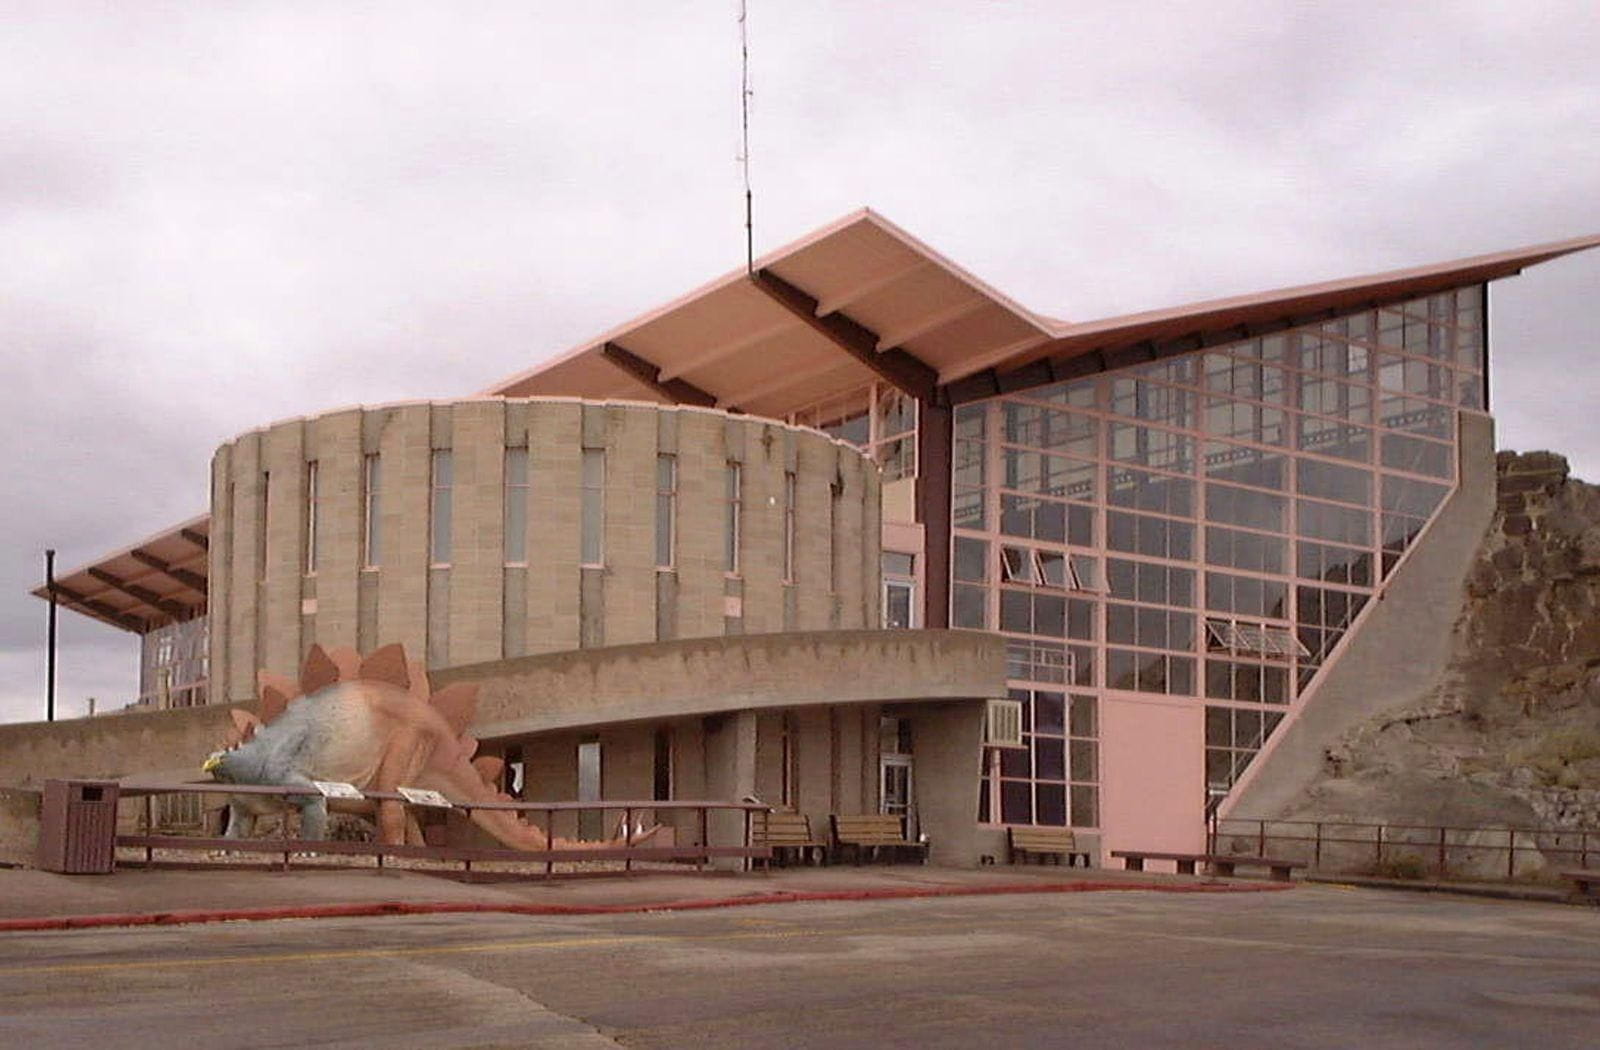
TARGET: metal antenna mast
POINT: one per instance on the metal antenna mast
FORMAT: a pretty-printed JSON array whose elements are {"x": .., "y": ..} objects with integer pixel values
[{"x": 744, "y": 155}]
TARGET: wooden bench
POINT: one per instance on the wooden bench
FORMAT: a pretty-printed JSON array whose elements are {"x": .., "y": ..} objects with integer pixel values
[
  {"x": 873, "y": 833},
  {"x": 1059, "y": 843},
  {"x": 1588, "y": 880},
  {"x": 787, "y": 833},
  {"x": 1221, "y": 863}
]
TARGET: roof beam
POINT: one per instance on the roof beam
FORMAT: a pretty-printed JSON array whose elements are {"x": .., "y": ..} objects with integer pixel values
[
  {"x": 192, "y": 580},
  {"x": 895, "y": 367},
  {"x": 728, "y": 349},
  {"x": 102, "y": 610},
  {"x": 199, "y": 539},
  {"x": 678, "y": 391},
  {"x": 855, "y": 293},
  {"x": 924, "y": 325},
  {"x": 143, "y": 594}
]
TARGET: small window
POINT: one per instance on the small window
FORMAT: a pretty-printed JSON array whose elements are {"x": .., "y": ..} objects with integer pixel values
[
  {"x": 1253, "y": 639},
  {"x": 591, "y": 547},
  {"x": 666, "y": 510},
  {"x": 1040, "y": 568},
  {"x": 516, "y": 506},
  {"x": 313, "y": 497},
  {"x": 371, "y": 483},
  {"x": 440, "y": 518},
  {"x": 734, "y": 524},
  {"x": 788, "y": 526}
]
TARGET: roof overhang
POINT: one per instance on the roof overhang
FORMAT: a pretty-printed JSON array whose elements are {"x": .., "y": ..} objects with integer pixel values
[
  {"x": 1114, "y": 342},
  {"x": 857, "y": 301},
  {"x": 862, "y": 300},
  {"x": 157, "y": 581}
]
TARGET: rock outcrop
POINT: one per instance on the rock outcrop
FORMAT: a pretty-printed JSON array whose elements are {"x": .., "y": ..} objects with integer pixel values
[{"x": 1510, "y": 735}]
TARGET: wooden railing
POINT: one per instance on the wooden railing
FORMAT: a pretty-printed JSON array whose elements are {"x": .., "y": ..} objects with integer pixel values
[{"x": 150, "y": 839}]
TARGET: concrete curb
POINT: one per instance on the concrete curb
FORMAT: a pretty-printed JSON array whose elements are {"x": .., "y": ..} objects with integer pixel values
[{"x": 378, "y": 908}]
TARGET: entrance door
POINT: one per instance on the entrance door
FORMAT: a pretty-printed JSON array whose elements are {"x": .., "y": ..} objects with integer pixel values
[
  {"x": 896, "y": 786},
  {"x": 896, "y": 797}
]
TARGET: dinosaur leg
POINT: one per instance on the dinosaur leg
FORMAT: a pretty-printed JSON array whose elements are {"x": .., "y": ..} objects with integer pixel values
[
  {"x": 404, "y": 756},
  {"x": 241, "y": 822},
  {"x": 313, "y": 810}
]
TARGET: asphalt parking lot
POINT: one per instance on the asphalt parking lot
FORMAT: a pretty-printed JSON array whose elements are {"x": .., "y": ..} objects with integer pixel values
[{"x": 1313, "y": 967}]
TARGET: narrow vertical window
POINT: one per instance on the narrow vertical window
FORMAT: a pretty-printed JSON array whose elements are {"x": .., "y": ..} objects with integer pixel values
[
  {"x": 788, "y": 526},
  {"x": 311, "y": 518},
  {"x": 661, "y": 779},
  {"x": 266, "y": 523},
  {"x": 666, "y": 510},
  {"x": 516, "y": 506},
  {"x": 899, "y": 589},
  {"x": 372, "y": 488},
  {"x": 591, "y": 822},
  {"x": 594, "y": 506},
  {"x": 735, "y": 520},
  {"x": 835, "y": 492},
  {"x": 439, "y": 519}
]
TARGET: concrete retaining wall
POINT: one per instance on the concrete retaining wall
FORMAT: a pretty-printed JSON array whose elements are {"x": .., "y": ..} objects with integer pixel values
[{"x": 157, "y": 743}]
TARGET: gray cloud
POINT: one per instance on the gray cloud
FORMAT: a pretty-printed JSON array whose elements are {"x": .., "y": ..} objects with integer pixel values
[{"x": 214, "y": 216}]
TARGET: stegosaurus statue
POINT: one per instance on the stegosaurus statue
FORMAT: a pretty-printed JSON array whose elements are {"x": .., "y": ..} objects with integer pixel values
[{"x": 375, "y": 723}]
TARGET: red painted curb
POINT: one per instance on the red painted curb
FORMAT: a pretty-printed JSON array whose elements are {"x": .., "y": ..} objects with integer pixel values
[{"x": 341, "y": 911}]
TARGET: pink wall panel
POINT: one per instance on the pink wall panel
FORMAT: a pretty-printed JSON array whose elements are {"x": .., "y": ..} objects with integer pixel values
[{"x": 1152, "y": 770}]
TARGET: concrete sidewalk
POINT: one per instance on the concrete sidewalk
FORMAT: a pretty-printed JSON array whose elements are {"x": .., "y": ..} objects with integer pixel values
[{"x": 32, "y": 899}]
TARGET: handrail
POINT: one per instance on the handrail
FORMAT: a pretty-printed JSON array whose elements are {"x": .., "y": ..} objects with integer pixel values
[
  {"x": 1435, "y": 840},
  {"x": 625, "y": 851}
]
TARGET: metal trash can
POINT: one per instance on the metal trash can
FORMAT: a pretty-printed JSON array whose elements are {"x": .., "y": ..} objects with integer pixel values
[{"x": 78, "y": 827}]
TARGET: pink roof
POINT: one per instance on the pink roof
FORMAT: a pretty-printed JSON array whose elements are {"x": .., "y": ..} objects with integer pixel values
[{"x": 731, "y": 342}]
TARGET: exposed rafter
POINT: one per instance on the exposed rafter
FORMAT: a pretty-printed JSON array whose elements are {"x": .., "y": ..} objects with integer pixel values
[
  {"x": 192, "y": 580},
  {"x": 199, "y": 539},
  {"x": 895, "y": 367},
  {"x": 835, "y": 303},
  {"x": 678, "y": 391},
  {"x": 177, "y": 610},
  {"x": 124, "y": 620},
  {"x": 725, "y": 350},
  {"x": 790, "y": 380},
  {"x": 923, "y": 325}
]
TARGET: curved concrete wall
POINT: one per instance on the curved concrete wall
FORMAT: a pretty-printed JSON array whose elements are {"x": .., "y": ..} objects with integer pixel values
[
  {"x": 266, "y": 609},
  {"x": 714, "y": 676}
]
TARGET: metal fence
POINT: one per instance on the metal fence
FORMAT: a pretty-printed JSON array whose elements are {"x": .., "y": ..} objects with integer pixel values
[
  {"x": 1410, "y": 850},
  {"x": 154, "y": 834}
]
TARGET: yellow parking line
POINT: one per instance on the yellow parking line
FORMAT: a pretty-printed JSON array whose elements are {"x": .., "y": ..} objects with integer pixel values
[{"x": 379, "y": 953}]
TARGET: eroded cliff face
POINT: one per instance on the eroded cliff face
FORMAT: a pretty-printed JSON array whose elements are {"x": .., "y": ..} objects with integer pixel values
[{"x": 1510, "y": 735}]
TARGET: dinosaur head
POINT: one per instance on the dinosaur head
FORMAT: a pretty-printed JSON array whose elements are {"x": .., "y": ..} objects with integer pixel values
[{"x": 237, "y": 761}]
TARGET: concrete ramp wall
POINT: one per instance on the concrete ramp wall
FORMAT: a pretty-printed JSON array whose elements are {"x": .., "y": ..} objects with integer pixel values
[{"x": 1400, "y": 647}]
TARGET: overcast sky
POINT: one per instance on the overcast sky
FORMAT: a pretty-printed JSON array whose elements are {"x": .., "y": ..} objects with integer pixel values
[{"x": 214, "y": 215}]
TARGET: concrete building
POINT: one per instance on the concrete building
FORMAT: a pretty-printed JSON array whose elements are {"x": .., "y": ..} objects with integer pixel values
[{"x": 1199, "y": 538}]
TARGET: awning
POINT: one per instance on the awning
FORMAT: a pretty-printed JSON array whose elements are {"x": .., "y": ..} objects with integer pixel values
[{"x": 158, "y": 581}]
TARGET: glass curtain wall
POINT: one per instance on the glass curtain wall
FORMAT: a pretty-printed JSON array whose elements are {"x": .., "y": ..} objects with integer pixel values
[
  {"x": 1205, "y": 526},
  {"x": 878, "y": 419}
]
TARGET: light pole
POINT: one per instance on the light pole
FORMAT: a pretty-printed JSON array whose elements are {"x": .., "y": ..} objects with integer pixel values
[{"x": 50, "y": 644}]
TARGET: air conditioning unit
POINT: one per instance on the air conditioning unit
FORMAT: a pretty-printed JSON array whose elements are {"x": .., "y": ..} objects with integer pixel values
[{"x": 1002, "y": 723}]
